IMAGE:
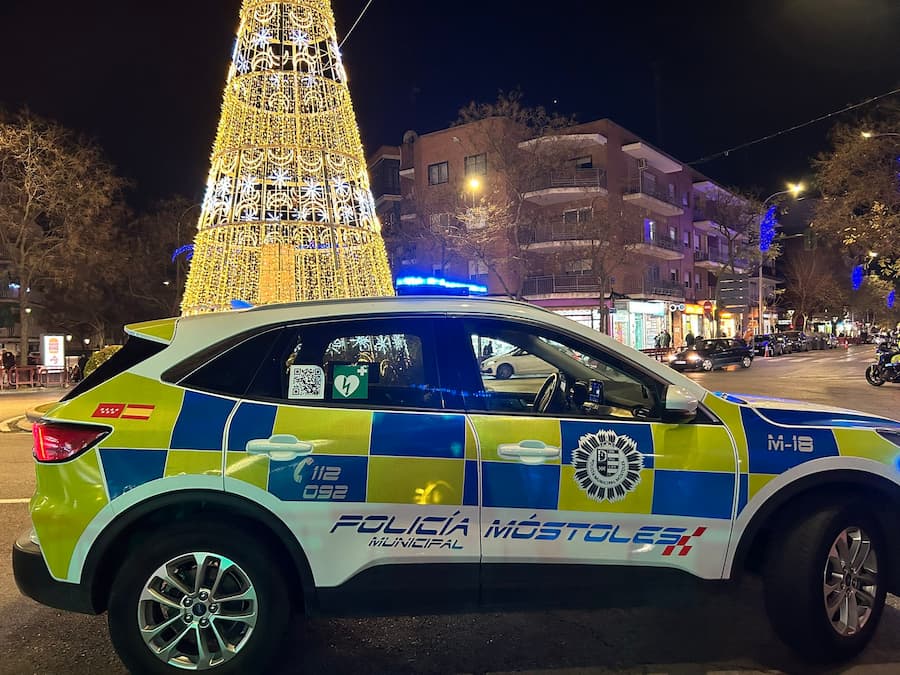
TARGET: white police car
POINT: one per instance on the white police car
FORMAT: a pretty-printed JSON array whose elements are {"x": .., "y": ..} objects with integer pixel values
[{"x": 222, "y": 471}]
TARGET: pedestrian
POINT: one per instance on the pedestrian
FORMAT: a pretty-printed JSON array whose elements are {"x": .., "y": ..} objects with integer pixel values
[
  {"x": 82, "y": 362},
  {"x": 657, "y": 340},
  {"x": 689, "y": 340},
  {"x": 666, "y": 339}
]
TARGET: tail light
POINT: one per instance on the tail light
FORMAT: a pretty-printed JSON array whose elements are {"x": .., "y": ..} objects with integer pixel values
[{"x": 58, "y": 442}]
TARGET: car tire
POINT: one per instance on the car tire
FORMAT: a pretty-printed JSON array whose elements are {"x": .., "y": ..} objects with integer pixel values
[
  {"x": 804, "y": 573},
  {"x": 707, "y": 365},
  {"x": 504, "y": 371},
  {"x": 746, "y": 362},
  {"x": 251, "y": 572}
]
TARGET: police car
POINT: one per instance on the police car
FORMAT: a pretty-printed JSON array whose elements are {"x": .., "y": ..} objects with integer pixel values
[{"x": 223, "y": 471}]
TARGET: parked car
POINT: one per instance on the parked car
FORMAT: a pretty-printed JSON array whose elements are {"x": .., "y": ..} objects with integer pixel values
[
  {"x": 769, "y": 345},
  {"x": 516, "y": 362},
  {"x": 711, "y": 354},
  {"x": 221, "y": 472},
  {"x": 798, "y": 340}
]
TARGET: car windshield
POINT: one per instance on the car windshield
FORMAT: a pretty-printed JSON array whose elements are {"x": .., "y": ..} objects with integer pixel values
[{"x": 707, "y": 345}]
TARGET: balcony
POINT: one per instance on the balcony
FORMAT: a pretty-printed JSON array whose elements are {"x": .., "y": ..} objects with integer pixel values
[
  {"x": 661, "y": 247},
  {"x": 645, "y": 194},
  {"x": 580, "y": 140},
  {"x": 704, "y": 221},
  {"x": 558, "y": 187},
  {"x": 652, "y": 156},
  {"x": 714, "y": 261},
  {"x": 557, "y": 235},
  {"x": 663, "y": 288},
  {"x": 572, "y": 285}
]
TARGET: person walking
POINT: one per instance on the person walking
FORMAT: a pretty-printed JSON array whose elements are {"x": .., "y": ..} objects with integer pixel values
[
  {"x": 689, "y": 339},
  {"x": 665, "y": 339}
]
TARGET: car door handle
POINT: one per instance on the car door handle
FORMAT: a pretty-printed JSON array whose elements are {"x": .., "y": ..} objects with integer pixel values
[
  {"x": 528, "y": 452},
  {"x": 281, "y": 447}
]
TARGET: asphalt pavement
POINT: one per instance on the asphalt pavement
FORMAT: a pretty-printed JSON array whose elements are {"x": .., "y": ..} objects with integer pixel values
[{"x": 718, "y": 632}]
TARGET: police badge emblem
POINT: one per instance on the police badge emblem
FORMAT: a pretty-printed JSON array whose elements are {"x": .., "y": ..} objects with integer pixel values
[{"x": 607, "y": 465}]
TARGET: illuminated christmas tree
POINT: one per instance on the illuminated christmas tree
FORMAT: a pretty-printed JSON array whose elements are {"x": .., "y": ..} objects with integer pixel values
[{"x": 288, "y": 213}]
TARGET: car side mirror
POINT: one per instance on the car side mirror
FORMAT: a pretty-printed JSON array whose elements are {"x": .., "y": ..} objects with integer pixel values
[{"x": 680, "y": 407}]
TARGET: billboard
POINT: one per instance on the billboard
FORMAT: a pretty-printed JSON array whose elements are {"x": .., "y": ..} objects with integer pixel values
[{"x": 53, "y": 351}]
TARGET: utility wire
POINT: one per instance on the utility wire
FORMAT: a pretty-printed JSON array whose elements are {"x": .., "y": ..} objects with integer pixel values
[
  {"x": 355, "y": 23},
  {"x": 725, "y": 153}
]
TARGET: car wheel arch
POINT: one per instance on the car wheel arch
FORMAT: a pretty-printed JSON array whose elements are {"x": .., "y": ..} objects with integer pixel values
[
  {"x": 113, "y": 543},
  {"x": 845, "y": 484}
]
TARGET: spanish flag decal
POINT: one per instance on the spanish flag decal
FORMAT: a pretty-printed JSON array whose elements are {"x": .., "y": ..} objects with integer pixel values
[{"x": 124, "y": 411}]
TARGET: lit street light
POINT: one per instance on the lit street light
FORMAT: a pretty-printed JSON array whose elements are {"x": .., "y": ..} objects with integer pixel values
[
  {"x": 870, "y": 134},
  {"x": 794, "y": 189}
]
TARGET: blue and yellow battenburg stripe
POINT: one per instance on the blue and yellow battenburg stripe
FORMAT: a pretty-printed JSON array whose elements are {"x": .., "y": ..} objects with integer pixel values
[
  {"x": 677, "y": 478},
  {"x": 359, "y": 455}
]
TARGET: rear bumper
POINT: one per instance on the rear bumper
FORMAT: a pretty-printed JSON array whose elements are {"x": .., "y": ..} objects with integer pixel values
[{"x": 34, "y": 580}]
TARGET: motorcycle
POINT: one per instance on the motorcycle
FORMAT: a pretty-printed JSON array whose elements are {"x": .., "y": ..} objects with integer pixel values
[{"x": 884, "y": 369}]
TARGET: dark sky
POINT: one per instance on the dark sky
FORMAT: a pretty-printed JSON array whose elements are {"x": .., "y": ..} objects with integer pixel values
[{"x": 145, "y": 78}]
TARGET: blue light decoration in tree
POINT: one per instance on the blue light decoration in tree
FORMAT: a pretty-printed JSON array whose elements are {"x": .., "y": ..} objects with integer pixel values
[
  {"x": 187, "y": 251},
  {"x": 767, "y": 229},
  {"x": 892, "y": 296},
  {"x": 856, "y": 276}
]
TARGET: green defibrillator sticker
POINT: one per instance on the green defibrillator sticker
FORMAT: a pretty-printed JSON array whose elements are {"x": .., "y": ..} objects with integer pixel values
[{"x": 351, "y": 382}]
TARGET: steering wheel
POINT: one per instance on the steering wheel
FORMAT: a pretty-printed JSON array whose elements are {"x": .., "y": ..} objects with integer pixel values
[{"x": 551, "y": 396}]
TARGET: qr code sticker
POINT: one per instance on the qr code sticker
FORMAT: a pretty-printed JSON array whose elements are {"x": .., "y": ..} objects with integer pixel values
[{"x": 306, "y": 383}]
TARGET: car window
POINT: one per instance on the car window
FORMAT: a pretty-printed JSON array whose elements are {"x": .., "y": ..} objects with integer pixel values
[
  {"x": 231, "y": 368},
  {"x": 366, "y": 363},
  {"x": 595, "y": 384}
]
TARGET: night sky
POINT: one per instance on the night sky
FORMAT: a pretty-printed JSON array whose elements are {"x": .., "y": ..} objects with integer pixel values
[{"x": 145, "y": 77}]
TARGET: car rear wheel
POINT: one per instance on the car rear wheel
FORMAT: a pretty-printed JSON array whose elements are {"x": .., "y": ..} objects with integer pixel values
[
  {"x": 746, "y": 361},
  {"x": 707, "y": 365},
  {"x": 824, "y": 586},
  {"x": 504, "y": 371},
  {"x": 198, "y": 596}
]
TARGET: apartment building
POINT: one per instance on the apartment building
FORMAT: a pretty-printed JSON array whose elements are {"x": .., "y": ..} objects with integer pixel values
[{"x": 613, "y": 231}]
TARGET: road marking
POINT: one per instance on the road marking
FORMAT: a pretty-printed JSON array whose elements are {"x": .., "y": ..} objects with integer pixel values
[
  {"x": 8, "y": 426},
  {"x": 15, "y": 501}
]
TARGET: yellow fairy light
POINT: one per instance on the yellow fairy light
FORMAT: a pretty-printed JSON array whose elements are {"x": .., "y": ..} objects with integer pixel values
[{"x": 288, "y": 213}]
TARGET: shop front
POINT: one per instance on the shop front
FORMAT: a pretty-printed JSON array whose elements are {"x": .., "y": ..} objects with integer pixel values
[
  {"x": 637, "y": 323},
  {"x": 699, "y": 319}
]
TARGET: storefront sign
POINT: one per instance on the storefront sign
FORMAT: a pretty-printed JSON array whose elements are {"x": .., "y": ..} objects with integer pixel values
[
  {"x": 53, "y": 351},
  {"x": 652, "y": 308}
]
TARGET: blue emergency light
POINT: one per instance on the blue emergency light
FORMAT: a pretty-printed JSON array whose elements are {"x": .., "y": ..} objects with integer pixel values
[{"x": 435, "y": 286}]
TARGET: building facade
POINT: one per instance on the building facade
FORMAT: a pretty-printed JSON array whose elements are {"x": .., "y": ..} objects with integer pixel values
[{"x": 608, "y": 230}]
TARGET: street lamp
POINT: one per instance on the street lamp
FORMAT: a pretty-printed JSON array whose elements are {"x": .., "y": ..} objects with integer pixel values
[
  {"x": 473, "y": 185},
  {"x": 870, "y": 134},
  {"x": 793, "y": 189}
]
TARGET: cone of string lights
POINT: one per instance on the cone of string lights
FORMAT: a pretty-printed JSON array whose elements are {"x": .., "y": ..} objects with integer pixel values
[{"x": 288, "y": 213}]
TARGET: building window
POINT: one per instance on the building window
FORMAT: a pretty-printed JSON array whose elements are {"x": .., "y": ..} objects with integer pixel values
[
  {"x": 650, "y": 231},
  {"x": 649, "y": 182},
  {"x": 653, "y": 272},
  {"x": 586, "y": 162},
  {"x": 575, "y": 216},
  {"x": 673, "y": 233},
  {"x": 478, "y": 272},
  {"x": 582, "y": 266},
  {"x": 687, "y": 238},
  {"x": 440, "y": 222},
  {"x": 673, "y": 275},
  {"x": 438, "y": 173},
  {"x": 476, "y": 165},
  {"x": 685, "y": 200},
  {"x": 671, "y": 193},
  {"x": 697, "y": 283}
]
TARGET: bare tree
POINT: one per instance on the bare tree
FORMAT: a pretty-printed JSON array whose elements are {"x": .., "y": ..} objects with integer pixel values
[
  {"x": 811, "y": 284},
  {"x": 54, "y": 188}
]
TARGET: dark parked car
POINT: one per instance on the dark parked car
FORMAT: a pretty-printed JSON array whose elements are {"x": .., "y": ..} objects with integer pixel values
[
  {"x": 710, "y": 354},
  {"x": 798, "y": 340},
  {"x": 776, "y": 345}
]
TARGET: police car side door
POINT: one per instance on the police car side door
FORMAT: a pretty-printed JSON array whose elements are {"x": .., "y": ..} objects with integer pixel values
[
  {"x": 596, "y": 484},
  {"x": 344, "y": 435}
]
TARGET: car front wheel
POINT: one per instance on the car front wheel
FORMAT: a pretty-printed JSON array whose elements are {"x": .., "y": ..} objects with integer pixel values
[
  {"x": 746, "y": 361},
  {"x": 707, "y": 365},
  {"x": 504, "y": 371},
  {"x": 198, "y": 596},
  {"x": 825, "y": 585}
]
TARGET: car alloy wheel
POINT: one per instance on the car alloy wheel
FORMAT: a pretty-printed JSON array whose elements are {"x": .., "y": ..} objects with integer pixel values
[
  {"x": 504, "y": 371},
  {"x": 850, "y": 584},
  {"x": 197, "y": 611},
  {"x": 707, "y": 365},
  {"x": 746, "y": 361}
]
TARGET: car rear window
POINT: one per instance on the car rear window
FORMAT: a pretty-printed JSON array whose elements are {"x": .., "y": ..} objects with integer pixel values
[{"x": 134, "y": 351}]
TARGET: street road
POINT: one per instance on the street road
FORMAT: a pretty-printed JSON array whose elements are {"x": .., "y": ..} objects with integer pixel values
[{"x": 723, "y": 631}]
